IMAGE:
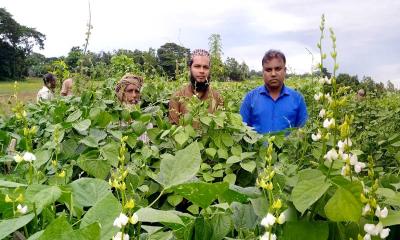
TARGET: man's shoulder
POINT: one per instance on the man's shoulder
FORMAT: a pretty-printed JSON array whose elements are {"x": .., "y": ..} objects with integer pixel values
[
  {"x": 256, "y": 90},
  {"x": 183, "y": 92}
]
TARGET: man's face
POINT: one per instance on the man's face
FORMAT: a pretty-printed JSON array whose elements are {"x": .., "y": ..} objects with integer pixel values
[
  {"x": 200, "y": 69},
  {"x": 274, "y": 72},
  {"x": 131, "y": 94}
]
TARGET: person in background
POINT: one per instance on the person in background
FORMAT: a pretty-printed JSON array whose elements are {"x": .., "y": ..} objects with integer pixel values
[
  {"x": 127, "y": 91},
  {"x": 47, "y": 91},
  {"x": 199, "y": 65},
  {"x": 66, "y": 88},
  {"x": 273, "y": 107}
]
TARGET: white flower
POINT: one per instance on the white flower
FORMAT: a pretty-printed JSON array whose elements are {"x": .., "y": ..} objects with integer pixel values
[
  {"x": 331, "y": 155},
  {"x": 343, "y": 156},
  {"x": 381, "y": 214},
  {"x": 134, "y": 219},
  {"x": 119, "y": 236},
  {"x": 281, "y": 219},
  {"x": 29, "y": 157},
  {"x": 373, "y": 230},
  {"x": 266, "y": 236},
  {"x": 328, "y": 80},
  {"x": 343, "y": 144},
  {"x": 316, "y": 137},
  {"x": 367, "y": 237},
  {"x": 328, "y": 97},
  {"x": 366, "y": 209},
  {"x": 359, "y": 166},
  {"x": 354, "y": 159},
  {"x": 384, "y": 233},
  {"x": 18, "y": 158},
  {"x": 329, "y": 123},
  {"x": 318, "y": 96},
  {"x": 120, "y": 221},
  {"x": 22, "y": 209},
  {"x": 322, "y": 113},
  {"x": 268, "y": 221}
]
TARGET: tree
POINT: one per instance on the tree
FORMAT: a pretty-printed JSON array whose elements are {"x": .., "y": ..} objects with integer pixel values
[
  {"x": 347, "y": 80},
  {"x": 73, "y": 57},
  {"x": 244, "y": 71},
  {"x": 171, "y": 55},
  {"x": 217, "y": 66},
  {"x": 16, "y": 42},
  {"x": 390, "y": 86},
  {"x": 232, "y": 68}
]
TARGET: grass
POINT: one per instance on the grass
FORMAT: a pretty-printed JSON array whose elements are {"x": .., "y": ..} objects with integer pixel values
[{"x": 26, "y": 92}]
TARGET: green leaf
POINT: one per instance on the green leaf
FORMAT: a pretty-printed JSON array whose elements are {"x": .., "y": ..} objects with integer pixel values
[
  {"x": 227, "y": 139},
  {"x": 393, "y": 218},
  {"x": 396, "y": 144},
  {"x": 181, "y": 138},
  {"x": 82, "y": 125},
  {"x": 74, "y": 116},
  {"x": 8, "y": 184},
  {"x": 221, "y": 226},
  {"x": 350, "y": 206},
  {"x": 11, "y": 225},
  {"x": 42, "y": 157},
  {"x": 90, "y": 163},
  {"x": 174, "y": 200},
  {"x": 90, "y": 141},
  {"x": 306, "y": 230},
  {"x": 42, "y": 195},
  {"x": 236, "y": 150},
  {"x": 158, "y": 216},
  {"x": 248, "y": 166},
  {"x": 201, "y": 193},
  {"x": 230, "y": 178},
  {"x": 222, "y": 153},
  {"x": 56, "y": 229},
  {"x": 103, "y": 119},
  {"x": 88, "y": 191},
  {"x": 62, "y": 230},
  {"x": 104, "y": 212},
  {"x": 243, "y": 216},
  {"x": 202, "y": 229},
  {"x": 233, "y": 159},
  {"x": 260, "y": 206},
  {"x": 394, "y": 201},
  {"x": 211, "y": 152},
  {"x": 110, "y": 153},
  {"x": 310, "y": 187},
  {"x": 246, "y": 155},
  {"x": 188, "y": 160}
]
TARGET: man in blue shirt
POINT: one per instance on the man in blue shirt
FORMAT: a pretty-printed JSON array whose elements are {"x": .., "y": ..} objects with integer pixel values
[{"x": 274, "y": 106}]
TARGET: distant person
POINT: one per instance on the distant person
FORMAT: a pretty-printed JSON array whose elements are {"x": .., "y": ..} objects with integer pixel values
[
  {"x": 128, "y": 89},
  {"x": 273, "y": 107},
  {"x": 361, "y": 94},
  {"x": 199, "y": 85},
  {"x": 66, "y": 88},
  {"x": 47, "y": 91}
]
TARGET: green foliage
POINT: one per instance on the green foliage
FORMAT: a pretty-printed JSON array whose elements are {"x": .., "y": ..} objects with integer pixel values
[{"x": 217, "y": 66}]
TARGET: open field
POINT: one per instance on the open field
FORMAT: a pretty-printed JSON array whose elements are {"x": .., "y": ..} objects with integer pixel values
[{"x": 26, "y": 91}]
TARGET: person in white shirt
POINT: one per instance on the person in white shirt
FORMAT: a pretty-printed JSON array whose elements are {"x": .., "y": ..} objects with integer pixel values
[{"x": 47, "y": 91}]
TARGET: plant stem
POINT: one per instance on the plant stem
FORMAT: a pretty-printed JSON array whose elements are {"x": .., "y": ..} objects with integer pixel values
[{"x": 161, "y": 193}]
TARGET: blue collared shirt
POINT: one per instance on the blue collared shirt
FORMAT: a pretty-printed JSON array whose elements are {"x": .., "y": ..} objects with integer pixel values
[{"x": 266, "y": 115}]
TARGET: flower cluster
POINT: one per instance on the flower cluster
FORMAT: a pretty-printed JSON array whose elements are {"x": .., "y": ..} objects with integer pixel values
[{"x": 27, "y": 156}]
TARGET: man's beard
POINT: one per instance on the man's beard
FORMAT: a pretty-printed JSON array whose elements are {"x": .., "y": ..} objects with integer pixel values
[{"x": 199, "y": 86}]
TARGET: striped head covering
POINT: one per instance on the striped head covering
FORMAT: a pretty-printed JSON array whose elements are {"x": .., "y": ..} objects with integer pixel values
[
  {"x": 125, "y": 81},
  {"x": 199, "y": 52}
]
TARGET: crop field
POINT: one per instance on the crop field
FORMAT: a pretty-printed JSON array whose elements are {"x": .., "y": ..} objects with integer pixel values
[{"x": 221, "y": 180}]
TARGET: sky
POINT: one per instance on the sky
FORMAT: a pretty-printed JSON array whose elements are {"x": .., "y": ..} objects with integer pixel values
[{"x": 367, "y": 31}]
